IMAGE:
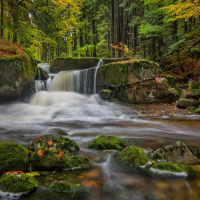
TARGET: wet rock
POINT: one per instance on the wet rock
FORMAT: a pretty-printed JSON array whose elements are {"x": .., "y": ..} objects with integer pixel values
[
  {"x": 112, "y": 152},
  {"x": 184, "y": 103},
  {"x": 106, "y": 94},
  {"x": 60, "y": 142},
  {"x": 179, "y": 152},
  {"x": 107, "y": 142},
  {"x": 197, "y": 152},
  {"x": 112, "y": 186},
  {"x": 190, "y": 93},
  {"x": 67, "y": 188},
  {"x": 192, "y": 85},
  {"x": 13, "y": 157},
  {"x": 172, "y": 169},
  {"x": 58, "y": 131},
  {"x": 58, "y": 160},
  {"x": 17, "y": 184},
  {"x": 133, "y": 156}
]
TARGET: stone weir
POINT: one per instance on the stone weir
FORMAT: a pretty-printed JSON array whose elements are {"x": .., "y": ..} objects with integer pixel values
[{"x": 64, "y": 64}]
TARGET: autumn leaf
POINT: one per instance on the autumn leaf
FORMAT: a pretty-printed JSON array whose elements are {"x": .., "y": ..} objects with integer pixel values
[
  {"x": 41, "y": 138},
  {"x": 58, "y": 149},
  {"x": 60, "y": 154},
  {"x": 15, "y": 172},
  {"x": 40, "y": 152},
  {"x": 50, "y": 143}
]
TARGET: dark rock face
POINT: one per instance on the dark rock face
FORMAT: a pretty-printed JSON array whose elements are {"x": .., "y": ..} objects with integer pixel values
[
  {"x": 135, "y": 82},
  {"x": 44, "y": 75},
  {"x": 64, "y": 64},
  {"x": 17, "y": 79},
  {"x": 179, "y": 152}
]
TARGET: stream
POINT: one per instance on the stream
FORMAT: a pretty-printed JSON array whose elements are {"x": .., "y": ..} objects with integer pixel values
[{"x": 85, "y": 117}]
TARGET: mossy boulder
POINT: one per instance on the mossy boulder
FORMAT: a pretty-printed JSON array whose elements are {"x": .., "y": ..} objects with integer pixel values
[
  {"x": 22, "y": 183},
  {"x": 184, "y": 103},
  {"x": 190, "y": 93},
  {"x": 192, "y": 85},
  {"x": 60, "y": 142},
  {"x": 13, "y": 157},
  {"x": 107, "y": 142},
  {"x": 179, "y": 152},
  {"x": 172, "y": 169},
  {"x": 197, "y": 110},
  {"x": 58, "y": 160},
  {"x": 106, "y": 94},
  {"x": 133, "y": 156},
  {"x": 17, "y": 78},
  {"x": 67, "y": 188}
]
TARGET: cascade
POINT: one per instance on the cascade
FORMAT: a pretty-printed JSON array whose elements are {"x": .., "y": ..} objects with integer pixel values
[{"x": 80, "y": 81}]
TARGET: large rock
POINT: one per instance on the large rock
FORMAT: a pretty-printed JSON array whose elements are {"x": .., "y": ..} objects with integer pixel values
[
  {"x": 133, "y": 156},
  {"x": 179, "y": 152},
  {"x": 17, "y": 79},
  {"x": 190, "y": 93},
  {"x": 135, "y": 82},
  {"x": 13, "y": 157},
  {"x": 56, "y": 142},
  {"x": 168, "y": 168},
  {"x": 107, "y": 142},
  {"x": 57, "y": 160},
  {"x": 184, "y": 103},
  {"x": 64, "y": 64},
  {"x": 17, "y": 184}
]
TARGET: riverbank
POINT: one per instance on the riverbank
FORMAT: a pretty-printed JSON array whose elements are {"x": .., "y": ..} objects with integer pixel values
[{"x": 162, "y": 110}]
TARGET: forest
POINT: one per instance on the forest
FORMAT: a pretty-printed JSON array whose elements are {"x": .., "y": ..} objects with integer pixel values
[{"x": 166, "y": 31}]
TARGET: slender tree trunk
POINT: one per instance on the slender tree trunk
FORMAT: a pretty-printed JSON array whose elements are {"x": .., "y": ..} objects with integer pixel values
[
  {"x": 113, "y": 30},
  {"x": 94, "y": 38},
  {"x": 122, "y": 29},
  {"x": 2, "y": 10},
  {"x": 118, "y": 30}
]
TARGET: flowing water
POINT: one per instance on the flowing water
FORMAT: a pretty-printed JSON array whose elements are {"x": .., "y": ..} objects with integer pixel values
[{"x": 85, "y": 117}]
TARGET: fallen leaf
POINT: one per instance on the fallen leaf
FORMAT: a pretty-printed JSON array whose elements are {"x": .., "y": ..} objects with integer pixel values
[
  {"x": 50, "y": 143},
  {"x": 40, "y": 152},
  {"x": 58, "y": 149},
  {"x": 41, "y": 138},
  {"x": 60, "y": 154}
]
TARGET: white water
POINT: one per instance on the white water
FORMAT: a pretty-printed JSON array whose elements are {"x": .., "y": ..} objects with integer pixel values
[{"x": 95, "y": 75}]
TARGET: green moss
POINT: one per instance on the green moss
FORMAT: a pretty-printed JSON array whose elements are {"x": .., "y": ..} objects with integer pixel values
[
  {"x": 67, "y": 188},
  {"x": 107, "y": 142},
  {"x": 157, "y": 155},
  {"x": 50, "y": 160},
  {"x": 60, "y": 142},
  {"x": 197, "y": 110},
  {"x": 133, "y": 156},
  {"x": 13, "y": 157},
  {"x": 80, "y": 162},
  {"x": 173, "y": 167},
  {"x": 17, "y": 183}
]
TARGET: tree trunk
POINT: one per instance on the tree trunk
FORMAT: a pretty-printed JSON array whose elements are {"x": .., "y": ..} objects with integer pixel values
[
  {"x": 2, "y": 10},
  {"x": 113, "y": 30}
]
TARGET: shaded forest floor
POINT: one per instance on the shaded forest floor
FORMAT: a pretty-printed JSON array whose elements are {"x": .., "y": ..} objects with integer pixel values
[{"x": 191, "y": 67}]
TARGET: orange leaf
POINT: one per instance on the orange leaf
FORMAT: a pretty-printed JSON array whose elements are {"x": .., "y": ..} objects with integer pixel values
[
  {"x": 50, "y": 143},
  {"x": 40, "y": 152},
  {"x": 60, "y": 154},
  {"x": 41, "y": 138},
  {"x": 58, "y": 149}
]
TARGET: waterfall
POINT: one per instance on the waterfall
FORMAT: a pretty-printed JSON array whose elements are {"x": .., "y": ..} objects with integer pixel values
[
  {"x": 81, "y": 81},
  {"x": 95, "y": 75}
]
